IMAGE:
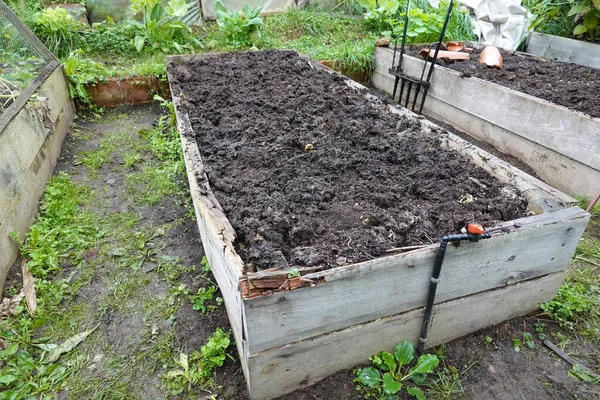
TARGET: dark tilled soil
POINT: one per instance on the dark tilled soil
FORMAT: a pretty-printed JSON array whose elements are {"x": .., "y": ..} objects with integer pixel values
[
  {"x": 363, "y": 190},
  {"x": 569, "y": 85}
]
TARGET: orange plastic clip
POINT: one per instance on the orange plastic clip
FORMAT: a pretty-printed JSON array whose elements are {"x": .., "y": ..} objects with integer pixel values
[{"x": 475, "y": 229}]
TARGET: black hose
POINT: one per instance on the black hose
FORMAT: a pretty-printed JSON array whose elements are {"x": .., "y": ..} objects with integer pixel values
[{"x": 435, "y": 278}]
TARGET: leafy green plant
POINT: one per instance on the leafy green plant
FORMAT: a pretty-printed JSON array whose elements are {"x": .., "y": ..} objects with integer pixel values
[
  {"x": 571, "y": 301},
  {"x": 528, "y": 340},
  {"x": 568, "y": 18},
  {"x": 199, "y": 367},
  {"x": 587, "y": 16},
  {"x": 111, "y": 38},
  {"x": 516, "y": 344},
  {"x": 57, "y": 29},
  {"x": 293, "y": 273},
  {"x": 379, "y": 13},
  {"x": 239, "y": 30},
  {"x": 539, "y": 328},
  {"x": 61, "y": 233},
  {"x": 391, "y": 372},
  {"x": 201, "y": 299},
  {"x": 82, "y": 72},
  {"x": 162, "y": 27}
]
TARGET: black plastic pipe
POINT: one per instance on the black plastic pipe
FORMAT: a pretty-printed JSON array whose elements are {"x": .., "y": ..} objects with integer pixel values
[{"x": 435, "y": 278}]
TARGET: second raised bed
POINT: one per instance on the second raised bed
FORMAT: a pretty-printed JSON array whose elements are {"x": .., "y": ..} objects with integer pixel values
[{"x": 561, "y": 145}]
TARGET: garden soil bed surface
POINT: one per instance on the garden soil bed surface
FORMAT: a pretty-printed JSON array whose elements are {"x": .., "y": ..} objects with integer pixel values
[
  {"x": 363, "y": 189},
  {"x": 569, "y": 85}
]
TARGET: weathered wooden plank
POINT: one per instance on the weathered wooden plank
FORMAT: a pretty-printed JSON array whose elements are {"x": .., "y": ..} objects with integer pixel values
[
  {"x": 564, "y": 49},
  {"x": 287, "y": 368},
  {"x": 540, "y": 121},
  {"x": 556, "y": 169},
  {"x": 553, "y": 167},
  {"x": 385, "y": 286},
  {"x": 215, "y": 230},
  {"x": 533, "y": 189}
]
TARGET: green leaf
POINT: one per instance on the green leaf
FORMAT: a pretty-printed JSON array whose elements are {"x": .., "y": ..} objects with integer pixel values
[
  {"x": 425, "y": 365},
  {"x": 367, "y": 4},
  {"x": 517, "y": 344},
  {"x": 220, "y": 7},
  {"x": 416, "y": 392},
  {"x": 579, "y": 373},
  {"x": 590, "y": 20},
  {"x": 390, "y": 386},
  {"x": 388, "y": 359},
  {"x": 6, "y": 379},
  {"x": 139, "y": 42},
  {"x": 576, "y": 9},
  {"x": 255, "y": 21},
  {"x": 11, "y": 350},
  {"x": 596, "y": 4},
  {"x": 418, "y": 378},
  {"x": 404, "y": 352},
  {"x": 369, "y": 376}
]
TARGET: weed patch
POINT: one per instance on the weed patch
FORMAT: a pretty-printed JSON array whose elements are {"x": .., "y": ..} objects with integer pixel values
[{"x": 577, "y": 305}]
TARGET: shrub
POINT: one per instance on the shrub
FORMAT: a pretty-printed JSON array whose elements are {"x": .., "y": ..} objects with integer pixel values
[
  {"x": 57, "y": 29},
  {"x": 237, "y": 29}
]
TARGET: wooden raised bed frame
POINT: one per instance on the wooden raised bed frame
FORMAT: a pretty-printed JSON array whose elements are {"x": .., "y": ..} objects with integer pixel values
[
  {"x": 559, "y": 144},
  {"x": 291, "y": 339}
]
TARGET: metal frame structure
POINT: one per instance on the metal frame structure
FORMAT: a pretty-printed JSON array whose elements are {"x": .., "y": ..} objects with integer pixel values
[{"x": 51, "y": 64}]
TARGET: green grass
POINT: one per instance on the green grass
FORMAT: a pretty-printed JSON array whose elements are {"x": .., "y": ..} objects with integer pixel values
[
  {"x": 316, "y": 33},
  {"x": 93, "y": 264},
  {"x": 577, "y": 305},
  {"x": 321, "y": 35}
]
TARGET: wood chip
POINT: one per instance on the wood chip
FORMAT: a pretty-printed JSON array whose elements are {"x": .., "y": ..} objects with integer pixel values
[
  {"x": 8, "y": 306},
  {"x": 29, "y": 288}
]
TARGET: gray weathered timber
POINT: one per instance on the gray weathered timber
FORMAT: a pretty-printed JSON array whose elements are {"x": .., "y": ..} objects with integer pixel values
[
  {"x": 400, "y": 281},
  {"x": 287, "y": 368},
  {"x": 293, "y": 338},
  {"x": 561, "y": 145},
  {"x": 216, "y": 232},
  {"x": 30, "y": 144},
  {"x": 564, "y": 49},
  {"x": 533, "y": 189}
]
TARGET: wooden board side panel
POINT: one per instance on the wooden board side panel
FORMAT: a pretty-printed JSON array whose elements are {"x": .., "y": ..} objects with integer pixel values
[
  {"x": 390, "y": 285},
  {"x": 540, "y": 121},
  {"x": 287, "y": 368},
  {"x": 564, "y": 49},
  {"x": 531, "y": 188},
  {"x": 215, "y": 231},
  {"x": 557, "y": 170}
]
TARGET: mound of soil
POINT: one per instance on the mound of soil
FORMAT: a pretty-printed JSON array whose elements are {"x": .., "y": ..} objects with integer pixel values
[
  {"x": 310, "y": 172},
  {"x": 569, "y": 85}
]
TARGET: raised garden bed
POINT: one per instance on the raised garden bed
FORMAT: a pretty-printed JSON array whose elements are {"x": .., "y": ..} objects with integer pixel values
[
  {"x": 333, "y": 212},
  {"x": 559, "y": 143},
  {"x": 564, "y": 49}
]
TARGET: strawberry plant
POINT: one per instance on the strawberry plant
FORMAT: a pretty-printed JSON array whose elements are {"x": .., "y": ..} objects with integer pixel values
[{"x": 391, "y": 373}]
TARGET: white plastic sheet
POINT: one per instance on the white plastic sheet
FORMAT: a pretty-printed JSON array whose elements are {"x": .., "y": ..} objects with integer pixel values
[{"x": 500, "y": 23}]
